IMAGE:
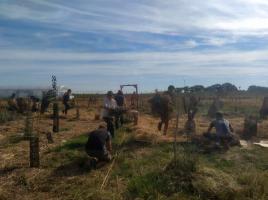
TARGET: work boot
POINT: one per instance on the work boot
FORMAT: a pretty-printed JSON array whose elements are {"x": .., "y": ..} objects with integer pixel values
[{"x": 93, "y": 163}]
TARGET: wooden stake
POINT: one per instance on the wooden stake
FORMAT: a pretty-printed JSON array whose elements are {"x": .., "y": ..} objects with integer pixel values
[
  {"x": 34, "y": 152},
  {"x": 56, "y": 120},
  {"x": 28, "y": 125}
]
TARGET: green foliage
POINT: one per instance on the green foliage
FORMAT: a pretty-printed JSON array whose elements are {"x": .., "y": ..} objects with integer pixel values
[
  {"x": 76, "y": 143},
  {"x": 175, "y": 178},
  {"x": 148, "y": 171},
  {"x": 254, "y": 185}
]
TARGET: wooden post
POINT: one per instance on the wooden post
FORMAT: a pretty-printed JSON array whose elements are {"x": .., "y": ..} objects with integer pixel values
[
  {"x": 56, "y": 120},
  {"x": 176, "y": 130},
  {"x": 34, "y": 151},
  {"x": 28, "y": 125},
  {"x": 33, "y": 141},
  {"x": 49, "y": 137}
]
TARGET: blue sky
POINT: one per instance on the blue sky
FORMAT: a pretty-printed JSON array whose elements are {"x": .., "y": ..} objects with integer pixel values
[{"x": 96, "y": 45}]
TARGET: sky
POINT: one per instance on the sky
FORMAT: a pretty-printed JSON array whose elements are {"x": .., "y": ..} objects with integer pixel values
[{"x": 96, "y": 45}]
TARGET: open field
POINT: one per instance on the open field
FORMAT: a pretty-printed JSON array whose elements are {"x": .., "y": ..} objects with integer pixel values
[{"x": 143, "y": 167}]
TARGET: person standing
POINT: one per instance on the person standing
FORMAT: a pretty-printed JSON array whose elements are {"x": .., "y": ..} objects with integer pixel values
[
  {"x": 120, "y": 101},
  {"x": 65, "y": 101},
  {"x": 162, "y": 106},
  {"x": 12, "y": 103},
  {"x": 109, "y": 107}
]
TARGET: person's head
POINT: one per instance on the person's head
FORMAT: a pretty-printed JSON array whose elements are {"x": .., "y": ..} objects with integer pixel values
[
  {"x": 120, "y": 92},
  {"x": 109, "y": 95},
  {"x": 69, "y": 91},
  {"x": 171, "y": 89},
  {"x": 219, "y": 115},
  {"x": 13, "y": 95}
]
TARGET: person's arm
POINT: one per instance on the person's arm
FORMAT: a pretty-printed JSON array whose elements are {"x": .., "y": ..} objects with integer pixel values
[
  {"x": 105, "y": 104},
  {"x": 109, "y": 145},
  {"x": 231, "y": 128},
  {"x": 210, "y": 127}
]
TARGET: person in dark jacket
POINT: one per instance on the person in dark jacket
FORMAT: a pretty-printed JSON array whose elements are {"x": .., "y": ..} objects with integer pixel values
[
  {"x": 65, "y": 101},
  {"x": 99, "y": 145},
  {"x": 120, "y": 101},
  {"x": 47, "y": 98}
]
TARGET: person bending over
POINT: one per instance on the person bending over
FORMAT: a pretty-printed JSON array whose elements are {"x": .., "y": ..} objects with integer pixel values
[
  {"x": 223, "y": 128},
  {"x": 99, "y": 145}
]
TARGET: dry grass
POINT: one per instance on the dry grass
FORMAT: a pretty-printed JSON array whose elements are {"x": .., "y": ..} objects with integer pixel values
[{"x": 64, "y": 175}]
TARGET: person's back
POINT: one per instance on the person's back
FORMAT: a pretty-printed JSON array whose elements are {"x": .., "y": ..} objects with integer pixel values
[
  {"x": 65, "y": 98},
  {"x": 222, "y": 127},
  {"x": 109, "y": 104},
  {"x": 119, "y": 100},
  {"x": 97, "y": 140},
  {"x": 97, "y": 144}
]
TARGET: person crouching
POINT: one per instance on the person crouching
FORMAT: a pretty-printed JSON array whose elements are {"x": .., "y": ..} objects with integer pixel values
[
  {"x": 224, "y": 131},
  {"x": 99, "y": 146}
]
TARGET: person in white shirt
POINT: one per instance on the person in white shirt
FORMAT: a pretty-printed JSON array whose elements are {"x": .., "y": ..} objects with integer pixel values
[{"x": 109, "y": 107}]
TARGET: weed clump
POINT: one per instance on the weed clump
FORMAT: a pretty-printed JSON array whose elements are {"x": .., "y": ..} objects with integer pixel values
[
  {"x": 177, "y": 177},
  {"x": 6, "y": 116}
]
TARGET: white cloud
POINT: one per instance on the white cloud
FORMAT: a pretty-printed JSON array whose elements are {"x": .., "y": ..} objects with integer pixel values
[
  {"x": 191, "y": 43},
  {"x": 181, "y": 63},
  {"x": 158, "y": 16},
  {"x": 196, "y": 23},
  {"x": 215, "y": 41}
]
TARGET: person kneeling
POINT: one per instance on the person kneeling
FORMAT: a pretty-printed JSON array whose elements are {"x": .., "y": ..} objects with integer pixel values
[
  {"x": 99, "y": 146},
  {"x": 224, "y": 132}
]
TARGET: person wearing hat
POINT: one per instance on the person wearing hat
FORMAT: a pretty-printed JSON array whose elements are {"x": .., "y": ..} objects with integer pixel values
[
  {"x": 223, "y": 128},
  {"x": 109, "y": 106}
]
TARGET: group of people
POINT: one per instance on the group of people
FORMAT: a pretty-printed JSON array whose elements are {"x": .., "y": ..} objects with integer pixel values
[
  {"x": 99, "y": 145},
  {"x": 164, "y": 104},
  {"x": 31, "y": 103},
  {"x": 22, "y": 105},
  {"x": 48, "y": 98}
]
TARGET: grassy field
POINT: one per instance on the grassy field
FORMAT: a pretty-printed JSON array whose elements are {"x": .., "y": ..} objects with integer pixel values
[{"x": 143, "y": 165}]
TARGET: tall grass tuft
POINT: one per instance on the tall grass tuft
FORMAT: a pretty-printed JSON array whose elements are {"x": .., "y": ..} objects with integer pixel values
[{"x": 6, "y": 116}]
